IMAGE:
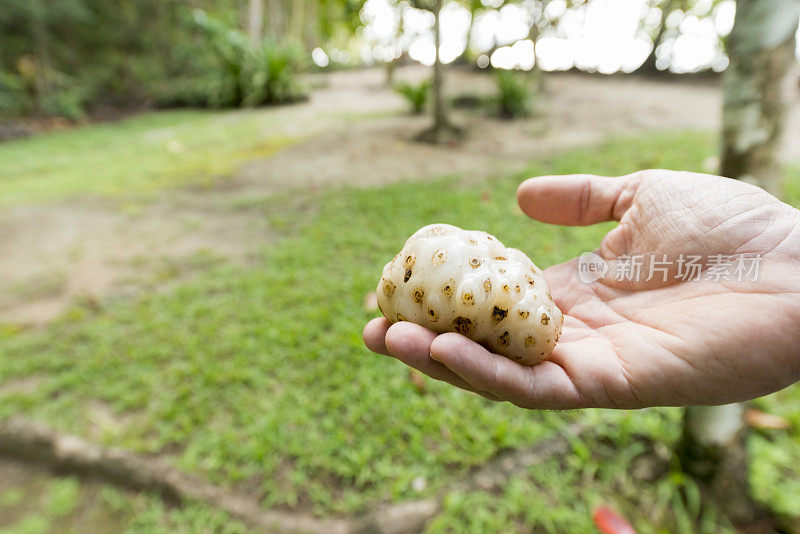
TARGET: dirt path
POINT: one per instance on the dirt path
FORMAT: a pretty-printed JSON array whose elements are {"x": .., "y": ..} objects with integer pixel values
[{"x": 356, "y": 134}]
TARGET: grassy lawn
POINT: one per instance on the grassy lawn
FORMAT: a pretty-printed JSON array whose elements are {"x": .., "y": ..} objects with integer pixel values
[
  {"x": 256, "y": 378},
  {"x": 138, "y": 155}
]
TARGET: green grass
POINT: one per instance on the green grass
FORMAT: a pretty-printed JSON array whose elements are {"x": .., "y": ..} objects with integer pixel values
[
  {"x": 138, "y": 155},
  {"x": 42, "y": 503},
  {"x": 256, "y": 376}
]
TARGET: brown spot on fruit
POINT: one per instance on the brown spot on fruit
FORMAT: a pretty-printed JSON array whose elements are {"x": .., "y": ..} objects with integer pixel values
[
  {"x": 501, "y": 258},
  {"x": 474, "y": 263},
  {"x": 529, "y": 278},
  {"x": 439, "y": 257},
  {"x": 471, "y": 241},
  {"x": 503, "y": 339},
  {"x": 449, "y": 287},
  {"x": 505, "y": 288},
  {"x": 400, "y": 317},
  {"x": 432, "y": 315},
  {"x": 545, "y": 319},
  {"x": 487, "y": 285},
  {"x": 468, "y": 299},
  {"x": 463, "y": 325},
  {"x": 501, "y": 271},
  {"x": 523, "y": 314},
  {"x": 498, "y": 314},
  {"x": 418, "y": 294},
  {"x": 409, "y": 261},
  {"x": 388, "y": 288},
  {"x": 530, "y": 341},
  {"x": 407, "y": 275},
  {"x": 517, "y": 288}
]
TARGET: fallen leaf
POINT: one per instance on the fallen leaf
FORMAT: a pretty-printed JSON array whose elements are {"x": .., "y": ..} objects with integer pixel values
[
  {"x": 758, "y": 419},
  {"x": 608, "y": 521}
]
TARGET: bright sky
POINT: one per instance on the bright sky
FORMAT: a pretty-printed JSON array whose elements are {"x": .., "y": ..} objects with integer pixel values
[{"x": 601, "y": 35}]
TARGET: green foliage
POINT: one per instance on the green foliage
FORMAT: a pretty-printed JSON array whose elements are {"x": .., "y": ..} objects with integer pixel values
[
  {"x": 559, "y": 494},
  {"x": 64, "y": 57},
  {"x": 70, "y": 54},
  {"x": 63, "y": 497},
  {"x": 230, "y": 71},
  {"x": 14, "y": 98},
  {"x": 416, "y": 95},
  {"x": 468, "y": 100},
  {"x": 514, "y": 93}
]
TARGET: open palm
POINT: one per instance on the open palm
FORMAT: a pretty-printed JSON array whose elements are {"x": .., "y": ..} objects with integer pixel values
[{"x": 653, "y": 331}]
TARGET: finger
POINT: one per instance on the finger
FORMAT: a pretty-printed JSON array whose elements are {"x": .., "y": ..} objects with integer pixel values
[
  {"x": 577, "y": 199},
  {"x": 542, "y": 386},
  {"x": 411, "y": 344},
  {"x": 375, "y": 335}
]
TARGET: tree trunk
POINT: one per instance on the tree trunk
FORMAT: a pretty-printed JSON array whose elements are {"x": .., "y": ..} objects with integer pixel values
[
  {"x": 649, "y": 65},
  {"x": 391, "y": 66},
  {"x": 275, "y": 19},
  {"x": 712, "y": 450},
  {"x": 761, "y": 49},
  {"x": 255, "y": 21},
  {"x": 762, "y": 52},
  {"x": 41, "y": 55},
  {"x": 439, "y": 113},
  {"x": 298, "y": 20},
  {"x": 441, "y": 130},
  {"x": 534, "y": 33}
]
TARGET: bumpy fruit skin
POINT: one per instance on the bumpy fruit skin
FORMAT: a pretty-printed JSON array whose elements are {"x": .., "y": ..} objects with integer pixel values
[{"x": 453, "y": 280}]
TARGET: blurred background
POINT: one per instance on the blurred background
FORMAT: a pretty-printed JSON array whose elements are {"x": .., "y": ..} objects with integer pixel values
[{"x": 196, "y": 200}]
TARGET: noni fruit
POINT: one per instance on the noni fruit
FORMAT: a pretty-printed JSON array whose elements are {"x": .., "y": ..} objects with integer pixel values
[{"x": 453, "y": 280}]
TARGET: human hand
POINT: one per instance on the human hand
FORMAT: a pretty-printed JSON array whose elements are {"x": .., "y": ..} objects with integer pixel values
[{"x": 631, "y": 342}]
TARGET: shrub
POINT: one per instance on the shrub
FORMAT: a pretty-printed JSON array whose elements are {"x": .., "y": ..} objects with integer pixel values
[
  {"x": 273, "y": 74},
  {"x": 14, "y": 98},
  {"x": 229, "y": 71},
  {"x": 468, "y": 100},
  {"x": 415, "y": 94},
  {"x": 18, "y": 95},
  {"x": 514, "y": 93}
]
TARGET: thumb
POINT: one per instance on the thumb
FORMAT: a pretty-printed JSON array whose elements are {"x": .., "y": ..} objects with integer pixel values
[{"x": 577, "y": 199}]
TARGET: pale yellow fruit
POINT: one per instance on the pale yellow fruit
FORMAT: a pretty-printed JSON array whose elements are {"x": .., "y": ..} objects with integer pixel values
[{"x": 453, "y": 280}]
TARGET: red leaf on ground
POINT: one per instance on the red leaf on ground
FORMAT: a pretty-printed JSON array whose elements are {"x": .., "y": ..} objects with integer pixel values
[{"x": 608, "y": 521}]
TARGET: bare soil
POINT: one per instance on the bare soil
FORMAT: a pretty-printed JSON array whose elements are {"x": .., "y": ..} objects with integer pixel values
[{"x": 355, "y": 132}]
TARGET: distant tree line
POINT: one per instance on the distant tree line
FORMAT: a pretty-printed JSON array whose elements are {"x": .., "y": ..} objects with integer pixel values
[
  {"x": 67, "y": 57},
  {"x": 64, "y": 57}
]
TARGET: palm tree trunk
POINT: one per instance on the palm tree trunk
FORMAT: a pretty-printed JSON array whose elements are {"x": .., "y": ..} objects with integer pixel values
[
  {"x": 440, "y": 122},
  {"x": 255, "y": 21},
  {"x": 649, "y": 64}
]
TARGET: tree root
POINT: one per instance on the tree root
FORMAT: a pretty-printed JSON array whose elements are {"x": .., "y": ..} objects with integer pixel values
[{"x": 37, "y": 444}]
